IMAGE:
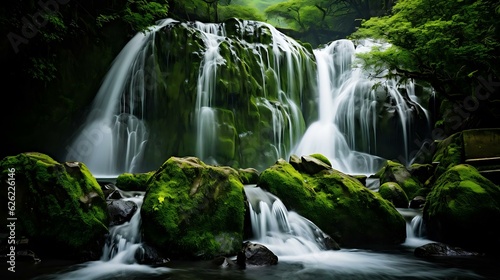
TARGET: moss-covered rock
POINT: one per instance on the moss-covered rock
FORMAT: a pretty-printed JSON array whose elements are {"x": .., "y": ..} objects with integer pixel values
[
  {"x": 194, "y": 210},
  {"x": 392, "y": 192},
  {"x": 249, "y": 175},
  {"x": 463, "y": 209},
  {"x": 396, "y": 172},
  {"x": 133, "y": 181},
  {"x": 449, "y": 153},
  {"x": 339, "y": 204},
  {"x": 322, "y": 158},
  {"x": 59, "y": 207}
]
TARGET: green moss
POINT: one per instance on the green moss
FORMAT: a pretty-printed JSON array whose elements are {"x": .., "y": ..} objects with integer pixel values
[
  {"x": 462, "y": 201},
  {"x": 322, "y": 158},
  {"x": 449, "y": 153},
  {"x": 392, "y": 192},
  {"x": 337, "y": 203},
  {"x": 190, "y": 206},
  {"x": 57, "y": 205},
  {"x": 133, "y": 181}
]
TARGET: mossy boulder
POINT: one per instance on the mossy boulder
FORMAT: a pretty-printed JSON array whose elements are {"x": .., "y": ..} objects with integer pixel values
[
  {"x": 339, "y": 204},
  {"x": 463, "y": 209},
  {"x": 392, "y": 192},
  {"x": 133, "y": 181},
  {"x": 59, "y": 207},
  {"x": 194, "y": 210},
  {"x": 396, "y": 172},
  {"x": 449, "y": 152}
]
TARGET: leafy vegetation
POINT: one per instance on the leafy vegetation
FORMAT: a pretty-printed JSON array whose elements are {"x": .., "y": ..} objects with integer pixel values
[
  {"x": 321, "y": 21},
  {"x": 454, "y": 45}
]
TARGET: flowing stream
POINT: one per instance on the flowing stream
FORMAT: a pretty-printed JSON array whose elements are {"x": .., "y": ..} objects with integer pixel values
[
  {"x": 118, "y": 258},
  {"x": 298, "y": 243}
]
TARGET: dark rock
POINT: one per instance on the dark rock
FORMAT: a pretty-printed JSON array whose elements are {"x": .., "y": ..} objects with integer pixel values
[
  {"x": 437, "y": 249},
  {"x": 146, "y": 254},
  {"x": 255, "y": 254},
  {"x": 296, "y": 162},
  {"x": 330, "y": 243},
  {"x": 120, "y": 211},
  {"x": 223, "y": 262},
  {"x": 417, "y": 202}
]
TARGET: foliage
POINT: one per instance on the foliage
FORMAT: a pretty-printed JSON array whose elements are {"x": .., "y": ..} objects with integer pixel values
[
  {"x": 451, "y": 44},
  {"x": 241, "y": 12},
  {"x": 325, "y": 20},
  {"x": 139, "y": 14}
]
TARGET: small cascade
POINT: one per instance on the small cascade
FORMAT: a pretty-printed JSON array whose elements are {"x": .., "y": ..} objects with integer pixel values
[
  {"x": 124, "y": 239},
  {"x": 119, "y": 254},
  {"x": 415, "y": 228},
  {"x": 284, "y": 232}
]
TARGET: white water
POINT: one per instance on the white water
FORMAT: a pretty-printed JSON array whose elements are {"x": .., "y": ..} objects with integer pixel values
[
  {"x": 297, "y": 241},
  {"x": 415, "y": 230},
  {"x": 349, "y": 104},
  {"x": 115, "y": 135},
  {"x": 118, "y": 256},
  {"x": 113, "y": 138},
  {"x": 284, "y": 232},
  {"x": 282, "y": 59}
]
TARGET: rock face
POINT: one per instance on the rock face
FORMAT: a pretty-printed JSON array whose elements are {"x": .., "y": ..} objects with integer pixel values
[
  {"x": 337, "y": 203},
  {"x": 194, "y": 210},
  {"x": 463, "y": 209},
  {"x": 59, "y": 207},
  {"x": 256, "y": 254}
]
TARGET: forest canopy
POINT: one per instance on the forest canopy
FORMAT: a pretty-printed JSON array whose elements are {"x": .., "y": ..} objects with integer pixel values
[{"x": 454, "y": 45}]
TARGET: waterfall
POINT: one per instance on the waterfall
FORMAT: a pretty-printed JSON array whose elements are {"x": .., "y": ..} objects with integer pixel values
[
  {"x": 113, "y": 138},
  {"x": 284, "y": 232},
  {"x": 242, "y": 92},
  {"x": 350, "y": 102},
  {"x": 286, "y": 118}
]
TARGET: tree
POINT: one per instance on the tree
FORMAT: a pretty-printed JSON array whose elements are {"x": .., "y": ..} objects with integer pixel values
[
  {"x": 454, "y": 45},
  {"x": 326, "y": 20}
]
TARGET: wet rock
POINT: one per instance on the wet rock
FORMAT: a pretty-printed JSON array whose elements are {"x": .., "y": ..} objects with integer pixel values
[
  {"x": 256, "y": 254},
  {"x": 120, "y": 211},
  {"x": 437, "y": 249},
  {"x": 148, "y": 255}
]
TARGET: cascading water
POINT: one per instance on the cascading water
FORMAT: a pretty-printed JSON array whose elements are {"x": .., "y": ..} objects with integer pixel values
[
  {"x": 249, "y": 84},
  {"x": 113, "y": 138},
  {"x": 297, "y": 241},
  {"x": 119, "y": 253},
  {"x": 283, "y": 232},
  {"x": 350, "y": 102}
]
